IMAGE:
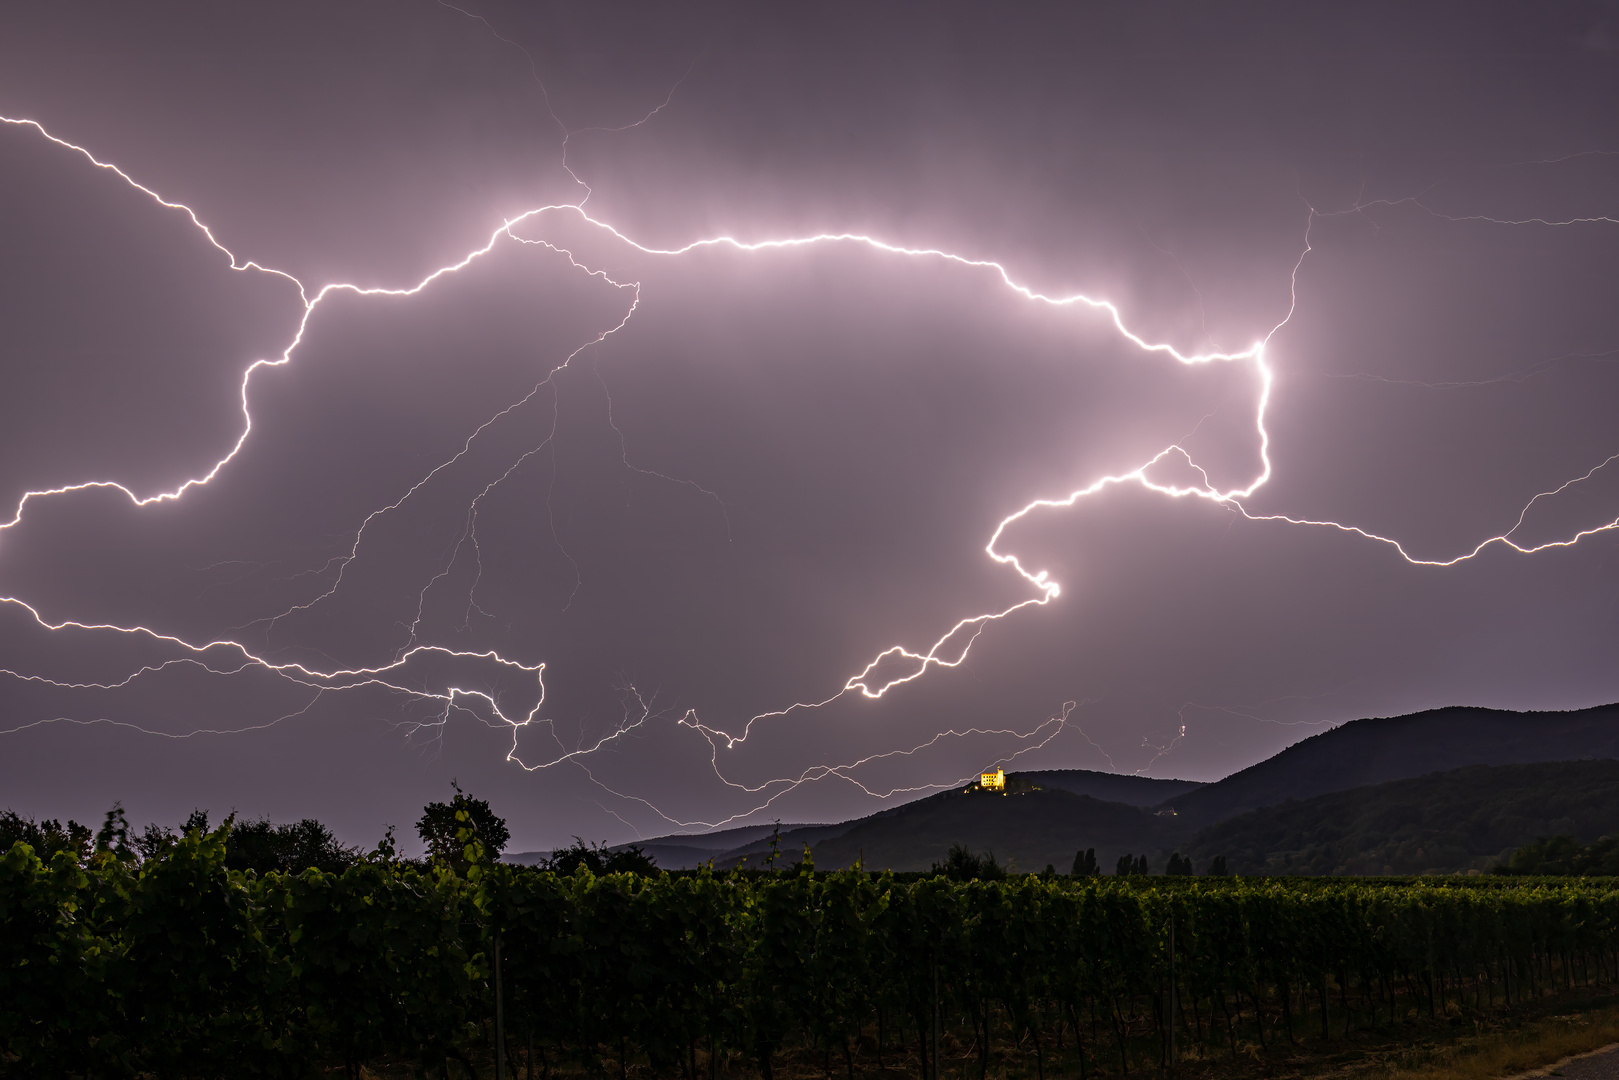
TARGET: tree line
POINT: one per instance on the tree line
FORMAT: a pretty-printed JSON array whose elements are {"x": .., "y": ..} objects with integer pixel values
[{"x": 259, "y": 845}]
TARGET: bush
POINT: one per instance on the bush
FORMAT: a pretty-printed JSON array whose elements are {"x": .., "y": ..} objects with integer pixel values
[
  {"x": 960, "y": 864},
  {"x": 630, "y": 859}
]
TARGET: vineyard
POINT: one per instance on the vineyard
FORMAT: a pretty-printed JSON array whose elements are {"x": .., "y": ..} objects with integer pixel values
[{"x": 180, "y": 967}]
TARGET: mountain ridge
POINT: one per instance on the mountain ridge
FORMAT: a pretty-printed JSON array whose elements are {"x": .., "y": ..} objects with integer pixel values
[
  {"x": 1467, "y": 819},
  {"x": 1379, "y": 749},
  {"x": 1046, "y": 815}
]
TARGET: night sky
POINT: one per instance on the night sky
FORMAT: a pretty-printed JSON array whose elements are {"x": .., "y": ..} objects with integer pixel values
[{"x": 702, "y": 484}]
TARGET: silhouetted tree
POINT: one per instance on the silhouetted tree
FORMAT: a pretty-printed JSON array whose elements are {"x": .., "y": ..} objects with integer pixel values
[
  {"x": 47, "y": 837},
  {"x": 438, "y": 826},
  {"x": 265, "y": 847},
  {"x": 154, "y": 840},
  {"x": 1178, "y": 864},
  {"x": 1085, "y": 864},
  {"x": 1217, "y": 867}
]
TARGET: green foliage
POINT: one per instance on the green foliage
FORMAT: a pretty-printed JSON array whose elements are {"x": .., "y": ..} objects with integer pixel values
[
  {"x": 601, "y": 860},
  {"x": 51, "y": 957},
  {"x": 441, "y": 823},
  {"x": 156, "y": 839},
  {"x": 181, "y": 965},
  {"x": 1562, "y": 855}
]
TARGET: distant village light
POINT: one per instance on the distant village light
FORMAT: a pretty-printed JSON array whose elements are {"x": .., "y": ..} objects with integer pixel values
[{"x": 992, "y": 781}]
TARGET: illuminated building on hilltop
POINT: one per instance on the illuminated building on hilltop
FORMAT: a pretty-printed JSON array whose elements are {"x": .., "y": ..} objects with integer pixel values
[{"x": 992, "y": 781}]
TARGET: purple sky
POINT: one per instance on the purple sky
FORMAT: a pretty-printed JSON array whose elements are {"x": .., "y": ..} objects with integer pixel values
[{"x": 702, "y": 486}]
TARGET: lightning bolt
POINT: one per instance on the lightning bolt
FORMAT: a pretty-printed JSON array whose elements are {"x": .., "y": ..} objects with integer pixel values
[{"x": 950, "y": 649}]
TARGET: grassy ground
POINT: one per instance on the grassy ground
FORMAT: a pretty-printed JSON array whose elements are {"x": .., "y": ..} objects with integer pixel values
[
  {"x": 1533, "y": 1046},
  {"x": 1463, "y": 1045}
]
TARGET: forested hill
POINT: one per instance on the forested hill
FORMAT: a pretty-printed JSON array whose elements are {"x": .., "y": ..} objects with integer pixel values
[
  {"x": 1110, "y": 787},
  {"x": 1051, "y": 814},
  {"x": 1025, "y": 827},
  {"x": 1470, "y": 818},
  {"x": 1373, "y": 751}
]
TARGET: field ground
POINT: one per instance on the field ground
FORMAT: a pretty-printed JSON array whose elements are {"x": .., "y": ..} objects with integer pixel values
[{"x": 1465, "y": 1044}]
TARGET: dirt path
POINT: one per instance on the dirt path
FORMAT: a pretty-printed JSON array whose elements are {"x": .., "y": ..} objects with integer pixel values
[{"x": 1600, "y": 1064}]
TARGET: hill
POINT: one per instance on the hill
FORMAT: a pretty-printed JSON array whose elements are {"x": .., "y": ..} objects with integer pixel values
[
  {"x": 1049, "y": 814},
  {"x": 790, "y": 845},
  {"x": 1052, "y": 813},
  {"x": 1469, "y": 818},
  {"x": 1111, "y": 787},
  {"x": 728, "y": 847},
  {"x": 1373, "y": 751},
  {"x": 1026, "y": 827}
]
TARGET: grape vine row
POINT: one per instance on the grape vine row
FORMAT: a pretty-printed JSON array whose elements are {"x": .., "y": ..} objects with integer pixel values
[{"x": 180, "y": 967}]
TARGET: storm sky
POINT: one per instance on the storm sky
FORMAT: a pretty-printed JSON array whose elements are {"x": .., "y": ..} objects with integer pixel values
[{"x": 702, "y": 485}]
